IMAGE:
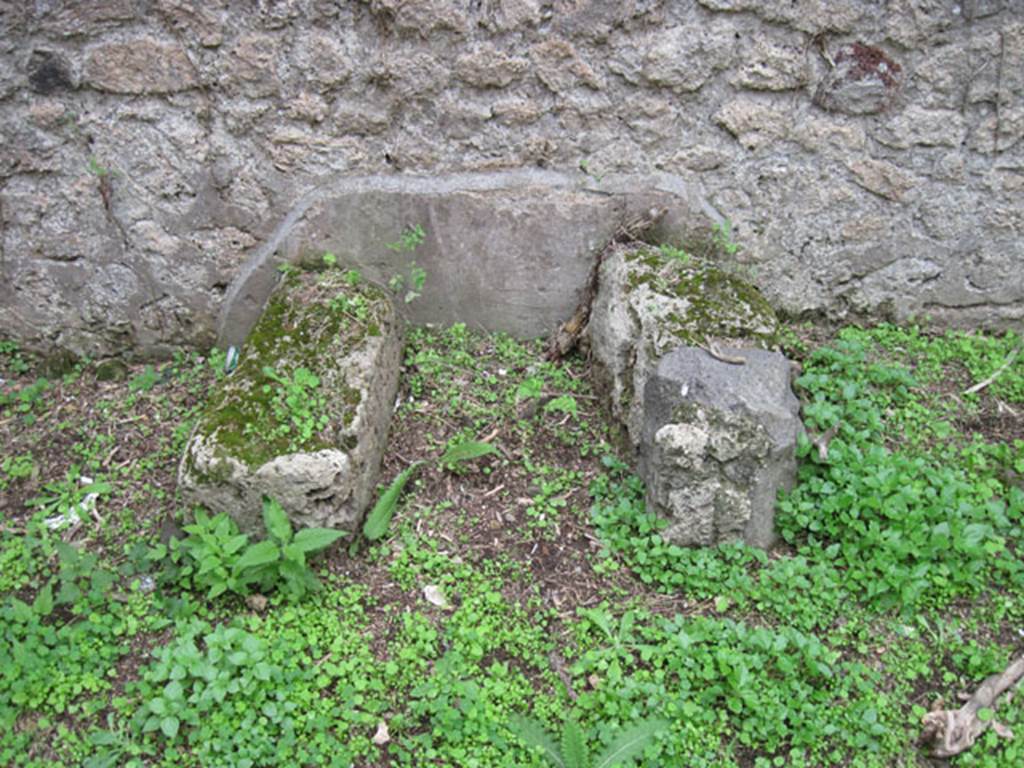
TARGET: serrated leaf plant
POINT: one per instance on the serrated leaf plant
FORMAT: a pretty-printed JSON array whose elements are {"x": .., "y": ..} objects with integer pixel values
[{"x": 571, "y": 750}]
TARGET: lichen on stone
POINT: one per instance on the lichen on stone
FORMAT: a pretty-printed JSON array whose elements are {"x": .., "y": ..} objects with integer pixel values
[
  {"x": 698, "y": 299},
  {"x": 305, "y": 415}
]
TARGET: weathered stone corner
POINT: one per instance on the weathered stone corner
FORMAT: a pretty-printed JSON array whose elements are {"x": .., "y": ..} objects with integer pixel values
[
  {"x": 719, "y": 442},
  {"x": 304, "y": 418}
]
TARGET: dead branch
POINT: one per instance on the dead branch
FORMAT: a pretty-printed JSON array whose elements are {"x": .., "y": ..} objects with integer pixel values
[
  {"x": 559, "y": 666},
  {"x": 953, "y": 732},
  {"x": 569, "y": 334}
]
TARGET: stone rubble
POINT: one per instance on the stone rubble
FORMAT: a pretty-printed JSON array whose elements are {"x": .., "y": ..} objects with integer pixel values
[{"x": 719, "y": 443}]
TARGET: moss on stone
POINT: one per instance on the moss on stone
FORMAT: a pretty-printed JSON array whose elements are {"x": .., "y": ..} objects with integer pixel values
[
  {"x": 312, "y": 320},
  {"x": 701, "y": 299}
]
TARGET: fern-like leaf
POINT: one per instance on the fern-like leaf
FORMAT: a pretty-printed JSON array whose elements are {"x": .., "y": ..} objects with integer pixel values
[
  {"x": 377, "y": 521},
  {"x": 630, "y": 744},
  {"x": 534, "y": 734},
  {"x": 574, "y": 746}
]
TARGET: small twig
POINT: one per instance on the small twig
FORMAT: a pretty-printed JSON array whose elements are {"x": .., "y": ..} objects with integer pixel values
[
  {"x": 493, "y": 491},
  {"x": 1004, "y": 408},
  {"x": 110, "y": 456},
  {"x": 567, "y": 337},
  {"x": 713, "y": 350},
  {"x": 1006, "y": 364},
  {"x": 558, "y": 665},
  {"x": 821, "y": 442},
  {"x": 71, "y": 532}
]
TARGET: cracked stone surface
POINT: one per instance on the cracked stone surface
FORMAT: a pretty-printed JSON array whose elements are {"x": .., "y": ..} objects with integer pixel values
[{"x": 648, "y": 305}]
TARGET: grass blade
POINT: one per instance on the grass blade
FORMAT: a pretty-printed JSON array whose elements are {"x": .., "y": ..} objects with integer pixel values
[
  {"x": 379, "y": 519},
  {"x": 471, "y": 449}
]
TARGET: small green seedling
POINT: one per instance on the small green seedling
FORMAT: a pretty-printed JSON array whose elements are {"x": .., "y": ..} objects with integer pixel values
[
  {"x": 410, "y": 239},
  {"x": 379, "y": 519}
]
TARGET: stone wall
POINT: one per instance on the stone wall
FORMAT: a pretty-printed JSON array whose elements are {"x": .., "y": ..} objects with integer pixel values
[{"x": 869, "y": 153}]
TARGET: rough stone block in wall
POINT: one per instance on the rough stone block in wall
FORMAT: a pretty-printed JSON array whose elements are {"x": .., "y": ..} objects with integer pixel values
[
  {"x": 863, "y": 81},
  {"x": 831, "y": 133}
]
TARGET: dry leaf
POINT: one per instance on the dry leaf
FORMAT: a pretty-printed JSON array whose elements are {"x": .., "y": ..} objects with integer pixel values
[
  {"x": 381, "y": 737},
  {"x": 435, "y": 596},
  {"x": 257, "y": 603}
]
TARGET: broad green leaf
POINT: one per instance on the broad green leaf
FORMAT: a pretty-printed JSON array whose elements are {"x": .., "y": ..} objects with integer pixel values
[
  {"x": 563, "y": 404},
  {"x": 217, "y": 589},
  {"x": 174, "y": 690},
  {"x": 102, "y": 738},
  {"x": 21, "y": 611},
  {"x": 574, "y": 746},
  {"x": 377, "y": 521},
  {"x": 260, "y": 553},
  {"x": 533, "y": 733},
  {"x": 315, "y": 539},
  {"x": 169, "y": 725},
  {"x": 297, "y": 578},
  {"x": 102, "y": 580},
  {"x": 276, "y": 520},
  {"x": 529, "y": 389},
  {"x": 43, "y": 604},
  {"x": 466, "y": 451},
  {"x": 294, "y": 554},
  {"x": 630, "y": 744}
]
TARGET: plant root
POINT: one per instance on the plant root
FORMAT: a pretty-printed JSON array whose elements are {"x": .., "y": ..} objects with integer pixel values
[
  {"x": 1006, "y": 364},
  {"x": 952, "y": 732}
]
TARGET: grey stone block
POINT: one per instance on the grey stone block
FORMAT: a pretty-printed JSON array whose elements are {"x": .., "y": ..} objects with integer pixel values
[
  {"x": 719, "y": 442},
  {"x": 504, "y": 251}
]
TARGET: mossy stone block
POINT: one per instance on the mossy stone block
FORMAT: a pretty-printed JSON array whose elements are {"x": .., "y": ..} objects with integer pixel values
[{"x": 305, "y": 415}]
